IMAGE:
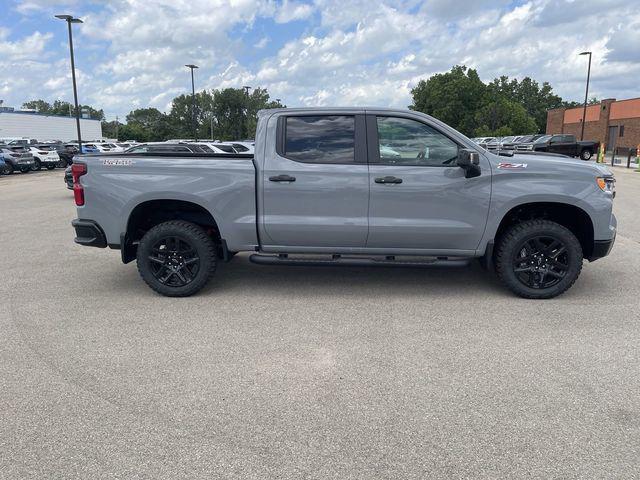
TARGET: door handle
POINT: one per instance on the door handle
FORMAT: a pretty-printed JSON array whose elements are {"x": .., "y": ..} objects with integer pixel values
[
  {"x": 388, "y": 179},
  {"x": 282, "y": 178}
]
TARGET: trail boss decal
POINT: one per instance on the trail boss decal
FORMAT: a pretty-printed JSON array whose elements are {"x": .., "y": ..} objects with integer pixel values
[
  {"x": 121, "y": 162},
  {"x": 512, "y": 166}
]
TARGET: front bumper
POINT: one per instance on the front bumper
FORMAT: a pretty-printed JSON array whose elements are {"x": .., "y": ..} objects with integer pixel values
[
  {"x": 602, "y": 248},
  {"x": 89, "y": 233}
]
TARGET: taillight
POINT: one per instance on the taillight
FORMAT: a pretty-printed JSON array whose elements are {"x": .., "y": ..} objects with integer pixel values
[{"x": 77, "y": 170}]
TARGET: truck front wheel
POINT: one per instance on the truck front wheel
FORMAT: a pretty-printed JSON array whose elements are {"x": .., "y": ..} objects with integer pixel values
[
  {"x": 538, "y": 259},
  {"x": 176, "y": 258}
]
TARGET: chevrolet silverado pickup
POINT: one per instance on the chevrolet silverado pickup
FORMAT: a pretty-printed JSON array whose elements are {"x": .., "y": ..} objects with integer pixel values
[{"x": 348, "y": 186}]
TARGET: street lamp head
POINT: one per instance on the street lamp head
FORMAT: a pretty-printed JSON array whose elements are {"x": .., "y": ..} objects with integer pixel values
[
  {"x": 192, "y": 66},
  {"x": 69, "y": 18},
  {"x": 585, "y": 53}
]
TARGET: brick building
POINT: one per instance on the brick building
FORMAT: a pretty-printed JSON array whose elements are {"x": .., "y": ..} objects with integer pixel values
[{"x": 616, "y": 123}]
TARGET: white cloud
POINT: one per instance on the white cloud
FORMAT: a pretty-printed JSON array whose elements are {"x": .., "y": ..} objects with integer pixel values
[
  {"x": 26, "y": 48},
  {"x": 337, "y": 52},
  {"x": 291, "y": 10}
]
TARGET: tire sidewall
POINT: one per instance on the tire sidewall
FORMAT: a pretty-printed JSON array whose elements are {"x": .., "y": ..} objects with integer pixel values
[
  {"x": 197, "y": 240},
  {"x": 514, "y": 244}
]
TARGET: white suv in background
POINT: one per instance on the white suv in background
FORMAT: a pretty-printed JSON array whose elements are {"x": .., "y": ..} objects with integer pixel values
[{"x": 44, "y": 156}]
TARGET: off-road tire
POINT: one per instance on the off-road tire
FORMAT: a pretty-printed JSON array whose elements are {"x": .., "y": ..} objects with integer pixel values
[
  {"x": 190, "y": 233},
  {"x": 509, "y": 246}
]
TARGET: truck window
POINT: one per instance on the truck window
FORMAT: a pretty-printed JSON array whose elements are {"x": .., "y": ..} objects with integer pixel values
[
  {"x": 569, "y": 138},
  {"x": 320, "y": 139},
  {"x": 408, "y": 142}
]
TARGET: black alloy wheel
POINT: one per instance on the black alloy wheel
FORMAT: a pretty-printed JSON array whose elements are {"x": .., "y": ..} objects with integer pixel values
[
  {"x": 176, "y": 258},
  {"x": 174, "y": 261},
  {"x": 538, "y": 258},
  {"x": 541, "y": 262}
]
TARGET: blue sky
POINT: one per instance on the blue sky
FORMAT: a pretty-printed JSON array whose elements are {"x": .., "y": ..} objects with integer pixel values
[{"x": 131, "y": 53}]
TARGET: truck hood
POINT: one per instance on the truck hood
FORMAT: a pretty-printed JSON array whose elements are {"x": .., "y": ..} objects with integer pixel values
[{"x": 552, "y": 162}]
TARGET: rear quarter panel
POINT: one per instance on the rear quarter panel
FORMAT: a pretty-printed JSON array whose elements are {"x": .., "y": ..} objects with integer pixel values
[{"x": 224, "y": 187}]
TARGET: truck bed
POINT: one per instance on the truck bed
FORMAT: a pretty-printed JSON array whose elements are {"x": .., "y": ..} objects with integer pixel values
[{"x": 223, "y": 184}]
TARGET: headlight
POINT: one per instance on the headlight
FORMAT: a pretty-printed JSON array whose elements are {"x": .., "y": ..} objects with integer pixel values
[{"x": 607, "y": 184}]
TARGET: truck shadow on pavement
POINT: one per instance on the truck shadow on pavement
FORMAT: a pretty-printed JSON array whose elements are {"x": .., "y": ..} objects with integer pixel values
[{"x": 241, "y": 275}]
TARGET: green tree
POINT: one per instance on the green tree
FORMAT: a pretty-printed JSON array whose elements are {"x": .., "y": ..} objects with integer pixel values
[
  {"x": 500, "y": 116},
  {"x": 453, "y": 97},
  {"x": 60, "y": 107},
  {"x": 220, "y": 114},
  {"x": 146, "y": 125},
  {"x": 535, "y": 99}
]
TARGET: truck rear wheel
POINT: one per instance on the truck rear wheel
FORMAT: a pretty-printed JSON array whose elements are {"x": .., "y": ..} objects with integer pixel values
[
  {"x": 586, "y": 154},
  {"x": 176, "y": 258},
  {"x": 538, "y": 259}
]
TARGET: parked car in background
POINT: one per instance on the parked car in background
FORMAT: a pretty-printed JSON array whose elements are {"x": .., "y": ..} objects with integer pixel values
[
  {"x": 244, "y": 146},
  {"x": 68, "y": 177},
  {"x": 164, "y": 147},
  {"x": 566, "y": 145},
  {"x": 222, "y": 148},
  {"x": 22, "y": 141},
  {"x": 44, "y": 156},
  {"x": 66, "y": 154},
  {"x": 17, "y": 157},
  {"x": 3, "y": 166},
  {"x": 526, "y": 142},
  {"x": 90, "y": 148},
  {"x": 488, "y": 143}
]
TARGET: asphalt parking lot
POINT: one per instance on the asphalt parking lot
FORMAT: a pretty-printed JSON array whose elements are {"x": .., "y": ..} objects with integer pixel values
[{"x": 276, "y": 372}]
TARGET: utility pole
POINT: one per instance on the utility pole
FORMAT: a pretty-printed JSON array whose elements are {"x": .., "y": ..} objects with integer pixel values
[
  {"x": 246, "y": 112},
  {"x": 71, "y": 19},
  {"x": 586, "y": 96},
  {"x": 193, "y": 103},
  {"x": 117, "y": 126}
]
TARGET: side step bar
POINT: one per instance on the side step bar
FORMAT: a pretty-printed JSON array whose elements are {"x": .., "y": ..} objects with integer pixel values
[{"x": 357, "y": 261}]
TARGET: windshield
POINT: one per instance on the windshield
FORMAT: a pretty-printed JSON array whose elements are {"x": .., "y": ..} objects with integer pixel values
[{"x": 543, "y": 139}]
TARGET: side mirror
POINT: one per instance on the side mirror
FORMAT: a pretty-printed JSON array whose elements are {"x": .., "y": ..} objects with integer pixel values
[{"x": 469, "y": 161}]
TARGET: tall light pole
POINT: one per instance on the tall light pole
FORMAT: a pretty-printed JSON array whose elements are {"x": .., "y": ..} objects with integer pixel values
[
  {"x": 71, "y": 19},
  {"x": 193, "y": 102},
  {"x": 246, "y": 89},
  {"x": 586, "y": 95}
]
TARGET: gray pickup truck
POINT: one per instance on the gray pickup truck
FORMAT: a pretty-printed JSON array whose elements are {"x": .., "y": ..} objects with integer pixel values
[{"x": 348, "y": 186}]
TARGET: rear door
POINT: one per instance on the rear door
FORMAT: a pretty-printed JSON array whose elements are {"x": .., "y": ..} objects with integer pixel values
[
  {"x": 315, "y": 183},
  {"x": 420, "y": 199}
]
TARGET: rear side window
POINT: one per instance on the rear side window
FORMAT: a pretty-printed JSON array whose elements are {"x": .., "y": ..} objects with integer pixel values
[{"x": 320, "y": 139}]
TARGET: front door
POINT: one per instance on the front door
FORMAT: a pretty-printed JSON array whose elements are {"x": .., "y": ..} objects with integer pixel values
[
  {"x": 420, "y": 199},
  {"x": 316, "y": 184}
]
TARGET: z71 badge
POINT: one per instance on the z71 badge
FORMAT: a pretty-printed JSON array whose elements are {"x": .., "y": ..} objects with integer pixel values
[
  {"x": 512, "y": 166},
  {"x": 121, "y": 162}
]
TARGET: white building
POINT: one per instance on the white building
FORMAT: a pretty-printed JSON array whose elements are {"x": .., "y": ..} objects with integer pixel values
[{"x": 46, "y": 127}]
